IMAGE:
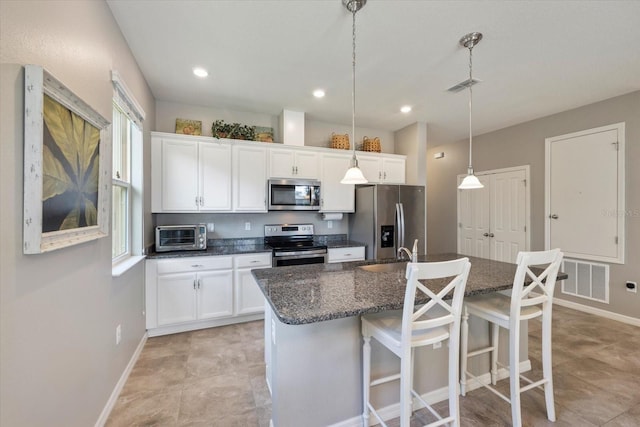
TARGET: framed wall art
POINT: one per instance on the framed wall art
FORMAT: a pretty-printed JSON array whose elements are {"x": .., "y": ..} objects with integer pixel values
[{"x": 67, "y": 149}]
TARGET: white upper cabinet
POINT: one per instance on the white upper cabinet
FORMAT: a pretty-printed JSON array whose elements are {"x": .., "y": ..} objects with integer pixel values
[
  {"x": 335, "y": 197},
  {"x": 292, "y": 163},
  {"x": 189, "y": 175},
  {"x": 380, "y": 169},
  {"x": 249, "y": 178}
]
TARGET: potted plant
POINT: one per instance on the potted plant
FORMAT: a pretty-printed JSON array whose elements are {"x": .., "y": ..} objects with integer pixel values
[{"x": 220, "y": 129}]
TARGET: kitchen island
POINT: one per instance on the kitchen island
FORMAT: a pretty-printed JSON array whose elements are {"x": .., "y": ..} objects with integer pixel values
[{"x": 313, "y": 341}]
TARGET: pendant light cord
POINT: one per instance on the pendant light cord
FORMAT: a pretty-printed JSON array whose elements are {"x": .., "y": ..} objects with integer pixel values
[
  {"x": 353, "y": 88},
  {"x": 470, "y": 169}
]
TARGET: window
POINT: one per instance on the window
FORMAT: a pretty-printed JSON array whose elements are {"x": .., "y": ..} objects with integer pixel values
[
  {"x": 121, "y": 184},
  {"x": 127, "y": 179}
]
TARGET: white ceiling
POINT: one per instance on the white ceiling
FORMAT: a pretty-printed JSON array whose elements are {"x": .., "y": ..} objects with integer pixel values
[{"x": 537, "y": 57}]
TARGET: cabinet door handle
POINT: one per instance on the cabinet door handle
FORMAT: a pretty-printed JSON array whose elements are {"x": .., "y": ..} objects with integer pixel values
[
  {"x": 254, "y": 261},
  {"x": 199, "y": 283},
  {"x": 194, "y": 283},
  {"x": 293, "y": 170},
  {"x": 201, "y": 201},
  {"x": 379, "y": 175},
  {"x": 197, "y": 200},
  {"x": 385, "y": 175},
  {"x": 197, "y": 265}
]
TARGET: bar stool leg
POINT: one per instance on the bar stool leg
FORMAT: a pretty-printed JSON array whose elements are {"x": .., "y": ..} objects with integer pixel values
[
  {"x": 514, "y": 375},
  {"x": 454, "y": 364},
  {"x": 366, "y": 379},
  {"x": 405, "y": 390},
  {"x": 464, "y": 347},
  {"x": 547, "y": 365},
  {"x": 495, "y": 337}
]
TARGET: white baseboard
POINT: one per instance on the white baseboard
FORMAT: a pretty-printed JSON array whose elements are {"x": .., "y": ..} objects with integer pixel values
[
  {"x": 598, "y": 312},
  {"x": 102, "y": 419},
  {"x": 202, "y": 324},
  {"x": 393, "y": 411}
]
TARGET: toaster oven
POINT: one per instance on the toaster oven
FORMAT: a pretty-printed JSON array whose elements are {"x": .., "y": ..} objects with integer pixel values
[{"x": 181, "y": 237}]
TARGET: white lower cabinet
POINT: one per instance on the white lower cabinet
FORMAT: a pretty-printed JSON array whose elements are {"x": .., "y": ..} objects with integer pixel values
[
  {"x": 355, "y": 253},
  {"x": 249, "y": 298},
  {"x": 190, "y": 293}
]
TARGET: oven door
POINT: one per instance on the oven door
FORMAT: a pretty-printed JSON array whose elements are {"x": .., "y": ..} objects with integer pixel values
[{"x": 285, "y": 258}]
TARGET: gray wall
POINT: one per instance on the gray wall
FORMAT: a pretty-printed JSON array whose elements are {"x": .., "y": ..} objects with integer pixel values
[
  {"x": 59, "y": 310},
  {"x": 524, "y": 144}
]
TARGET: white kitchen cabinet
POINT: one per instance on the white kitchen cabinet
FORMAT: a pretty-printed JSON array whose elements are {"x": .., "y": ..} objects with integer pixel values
[
  {"x": 355, "y": 253},
  {"x": 189, "y": 293},
  {"x": 335, "y": 197},
  {"x": 292, "y": 163},
  {"x": 248, "y": 296},
  {"x": 249, "y": 178},
  {"x": 381, "y": 169},
  {"x": 190, "y": 289},
  {"x": 190, "y": 175}
]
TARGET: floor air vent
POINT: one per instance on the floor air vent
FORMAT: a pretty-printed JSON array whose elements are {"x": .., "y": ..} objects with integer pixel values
[{"x": 588, "y": 280}]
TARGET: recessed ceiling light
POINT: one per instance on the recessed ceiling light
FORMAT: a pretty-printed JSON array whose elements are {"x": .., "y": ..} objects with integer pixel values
[
  {"x": 318, "y": 93},
  {"x": 200, "y": 72},
  {"x": 405, "y": 109}
]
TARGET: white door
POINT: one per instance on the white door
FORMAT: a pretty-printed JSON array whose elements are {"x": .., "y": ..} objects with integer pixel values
[
  {"x": 281, "y": 163},
  {"x": 249, "y": 178},
  {"x": 393, "y": 171},
  {"x": 179, "y": 175},
  {"x": 176, "y": 298},
  {"x": 336, "y": 197},
  {"x": 492, "y": 221},
  {"x": 215, "y": 176},
  {"x": 585, "y": 194},
  {"x": 474, "y": 216},
  {"x": 508, "y": 215},
  {"x": 306, "y": 165},
  {"x": 215, "y": 294},
  {"x": 249, "y": 297}
]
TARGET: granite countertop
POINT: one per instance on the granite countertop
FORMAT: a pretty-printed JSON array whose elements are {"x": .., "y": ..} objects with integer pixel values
[
  {"x": 314, "y": 293},
  {"x": 216, "y": 247}
]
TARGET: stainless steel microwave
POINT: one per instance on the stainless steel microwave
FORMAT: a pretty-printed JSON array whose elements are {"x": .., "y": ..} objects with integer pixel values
[
  {"x": 294, "y": 195},
  {"x": 181, "y": 237}
]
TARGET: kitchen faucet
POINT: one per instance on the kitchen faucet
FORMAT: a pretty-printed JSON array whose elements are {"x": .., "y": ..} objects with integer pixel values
[{"x": 413, "y": 255}]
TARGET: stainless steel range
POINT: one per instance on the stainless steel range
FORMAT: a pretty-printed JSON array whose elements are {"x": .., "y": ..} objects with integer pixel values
[{"x": 293, "y": 244}]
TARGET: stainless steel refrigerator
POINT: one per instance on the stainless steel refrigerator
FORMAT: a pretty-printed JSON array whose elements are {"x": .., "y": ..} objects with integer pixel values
[{"x": 388, "y": 217}]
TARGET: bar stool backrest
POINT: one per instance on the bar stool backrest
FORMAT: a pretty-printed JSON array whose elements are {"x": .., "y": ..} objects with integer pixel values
[
  {"x": 531, "y": 289},
  {"x": 458, "y": 271}
]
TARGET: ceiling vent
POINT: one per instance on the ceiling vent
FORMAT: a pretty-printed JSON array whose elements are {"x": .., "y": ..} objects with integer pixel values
[{"x": 463, "y": 85}]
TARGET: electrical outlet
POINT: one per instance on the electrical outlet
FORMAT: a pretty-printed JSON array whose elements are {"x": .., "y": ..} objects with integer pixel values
[
  {"x": 210, "y": 227},
  {"x": 632, "y": 287},
  {"x": 437, "y": 345},
  {"x": 247, "y": 226},
  {"x": 329, "y": 224},
  {"x": 118, "y": 334}
]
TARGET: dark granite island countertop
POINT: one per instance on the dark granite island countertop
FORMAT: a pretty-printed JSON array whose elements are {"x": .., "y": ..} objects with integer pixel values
[{"x": 314, "y": 293}]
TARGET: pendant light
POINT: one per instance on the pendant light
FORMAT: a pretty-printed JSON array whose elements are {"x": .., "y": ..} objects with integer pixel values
[
  {"x": 354, "y": 174},
  {"x": 470, "y": 181}
]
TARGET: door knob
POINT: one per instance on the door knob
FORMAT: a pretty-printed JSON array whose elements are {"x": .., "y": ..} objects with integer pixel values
[
  {"x": 553, "y": 216},
  {"x": 491, "y": 234},
  {"x": 486, "y": 234}
]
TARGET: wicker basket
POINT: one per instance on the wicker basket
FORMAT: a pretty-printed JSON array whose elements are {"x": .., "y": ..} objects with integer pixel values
[
  {"x": 371, "y": 144},
  {"x": 340, "y": 142}
]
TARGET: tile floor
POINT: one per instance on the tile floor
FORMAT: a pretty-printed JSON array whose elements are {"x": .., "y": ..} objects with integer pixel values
[{"x": 215, "y": 377}]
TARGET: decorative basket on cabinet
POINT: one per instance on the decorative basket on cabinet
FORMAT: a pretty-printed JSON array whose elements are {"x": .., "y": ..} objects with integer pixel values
[
  {"x": 371, "y": 144},
  {"x": 340, "y": 142}
]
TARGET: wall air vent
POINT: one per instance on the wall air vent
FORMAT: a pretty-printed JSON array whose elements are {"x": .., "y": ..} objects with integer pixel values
[
  {"x": 588, "y": 280},
  {"x": 463, "y": 85}
]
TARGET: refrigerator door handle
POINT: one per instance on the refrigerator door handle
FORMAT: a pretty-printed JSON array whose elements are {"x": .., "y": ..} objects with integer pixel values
[
  {"x": 398, "y": 228},
  {"x": 402, "y": 222}
]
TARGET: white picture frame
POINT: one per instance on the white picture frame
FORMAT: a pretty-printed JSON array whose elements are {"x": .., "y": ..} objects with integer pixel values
[{"x": 66, "y": 202}]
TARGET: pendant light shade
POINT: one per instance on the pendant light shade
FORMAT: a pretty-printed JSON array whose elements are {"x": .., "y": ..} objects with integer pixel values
[
  {"x": 354, "y": 175},
  {"x": 471, "y": 181}
]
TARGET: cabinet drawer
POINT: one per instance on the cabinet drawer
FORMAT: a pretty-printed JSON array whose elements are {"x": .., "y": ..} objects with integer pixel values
[
  {"x": 346, "y": 254},
  {"x": 195, "y": 264},
  {"x": 252, "y": 260}
]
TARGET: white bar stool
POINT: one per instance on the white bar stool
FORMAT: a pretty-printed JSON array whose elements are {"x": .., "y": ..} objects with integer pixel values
[
  {"x": 402, "y": 333},
  {"x": 532, "y": 296}
]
